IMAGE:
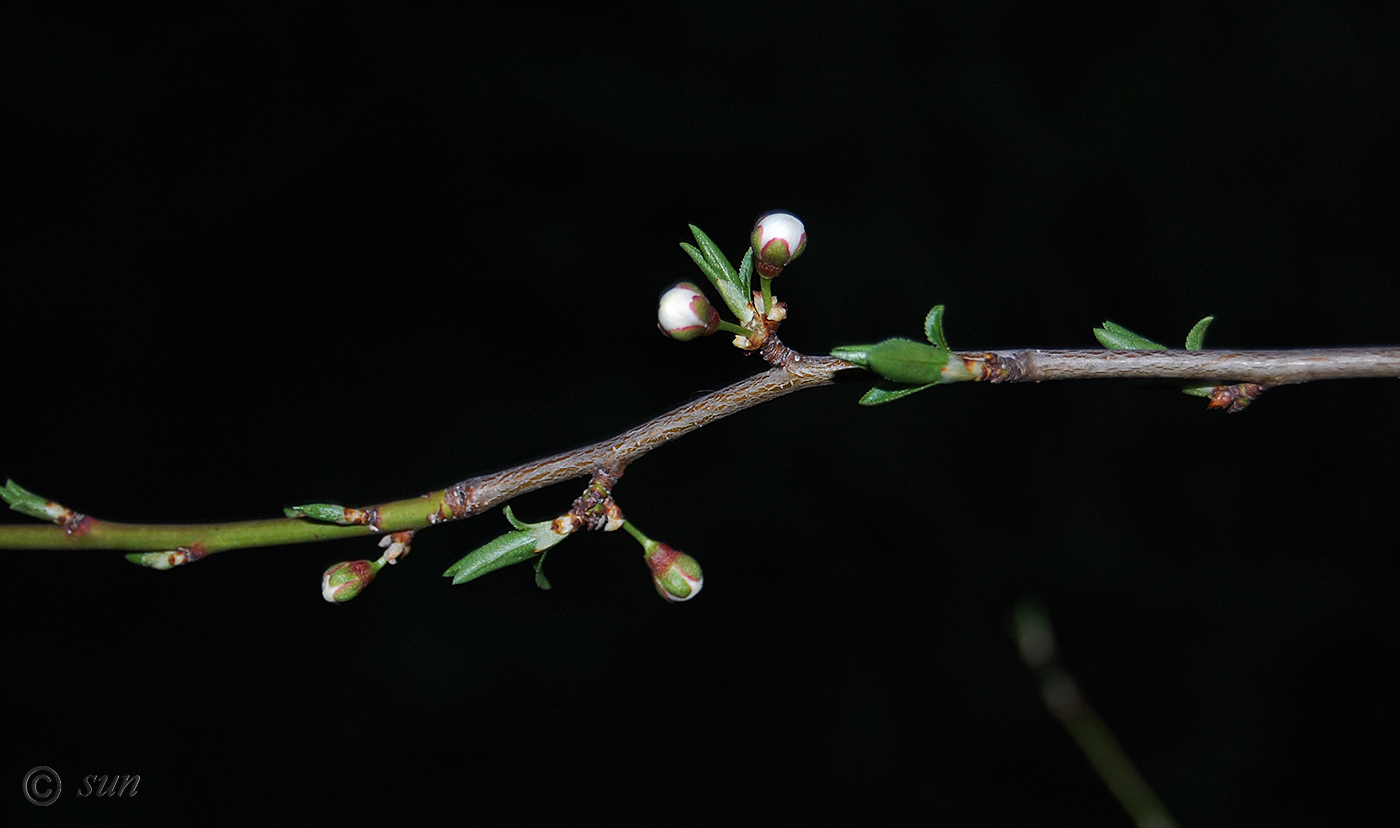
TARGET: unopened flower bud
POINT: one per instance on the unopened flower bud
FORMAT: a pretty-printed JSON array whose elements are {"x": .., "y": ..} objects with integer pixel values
[
  {"x": 676, "y": 575},
  {"x": 347, "y": 579},
  {"x": 777, "y": 239},
  {"x": 685, "y": 313}
]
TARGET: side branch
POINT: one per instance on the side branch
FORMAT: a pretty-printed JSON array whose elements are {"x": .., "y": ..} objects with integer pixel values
[
  {"x": 795, "y": 372},
  {"x": 798, "y": 371}
]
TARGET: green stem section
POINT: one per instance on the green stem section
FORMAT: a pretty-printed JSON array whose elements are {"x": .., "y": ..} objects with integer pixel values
[
  {"x": 636, "y": 533},
  {"x": 730, "y": 327},
  {"x": 208, "y": 538},
  {"x": 767, "y": 285},
  {"x": 792, "y": 372}
]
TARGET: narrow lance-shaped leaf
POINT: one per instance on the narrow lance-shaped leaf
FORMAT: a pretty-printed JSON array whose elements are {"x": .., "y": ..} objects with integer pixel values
[
  {"x": 733, "y": 287},
  {"x": 736, "y": 300},
  {"x": 1196, "y": 339},
  {"x": 881, "y": 394},
  {"x": 528, "y": 540},
  {"x": 857, "y": 355},
  {"x": 516, "y": 522},
  {"x": 705, "y": 267},
  {"x": 745, "y": 280},
  {"x": 714, "y": 256},
  {"x": 541, "y": 581},
  {"x": 510, "y": 548},
  {"x": 1117, "y": 337},
  {"x": 324, "y": 512},
  {"x": 933, "y": 328}
]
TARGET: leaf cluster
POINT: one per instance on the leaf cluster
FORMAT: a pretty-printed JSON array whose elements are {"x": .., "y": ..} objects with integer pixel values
[
  {"x": 907, "y": 366},
  {"x": 733, "y": 285},
  {"x": 1118, "y": 338}
]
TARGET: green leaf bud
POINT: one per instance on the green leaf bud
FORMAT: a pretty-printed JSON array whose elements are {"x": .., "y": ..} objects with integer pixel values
[
  {"x": 167, "y": 559},
  {"x": 903, "y": 360},
  {"x": 345, "y": 580}
]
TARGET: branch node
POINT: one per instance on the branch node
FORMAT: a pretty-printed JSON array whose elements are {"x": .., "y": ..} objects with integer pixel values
[
  {"x": 994, "y": 368},
  {"x": 1235, "y": 398},
  {"x": 595, "y": 508},
  {"x": 458, "y": 500},
  {"x": 396, "y": 545}
]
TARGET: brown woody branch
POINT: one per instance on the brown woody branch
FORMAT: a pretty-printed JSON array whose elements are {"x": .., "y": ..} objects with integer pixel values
[{"x": 1242, "y": 375}]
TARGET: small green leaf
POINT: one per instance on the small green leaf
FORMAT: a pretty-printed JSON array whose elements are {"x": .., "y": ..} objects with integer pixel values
[
  {"x": 883, "y": 394},
  {"x": 168, "y": 559},
  {"x": 510, "y": 548},
  {"x": 25, "y": 502},
  {"x": 152, "y": 560},
  {"x": 735, "y": 298},
  {"x": 705, "y": 267},
  {"x": 714, "y": 256},
  {"x": 1117, "y": 337},
  {"x": 510, "y": 516},
  {"x": 745, "y": 280},
  {"x": 737, "y": 294},
  {"x": 933, "y": 328},
  {"x": 858, "y": 355},
  {"x": 1196, "y": 339},
  {"x": 541, "y": 581},
  {"x": 903, "y": 360},
  {"x": 324, "y": 512}
]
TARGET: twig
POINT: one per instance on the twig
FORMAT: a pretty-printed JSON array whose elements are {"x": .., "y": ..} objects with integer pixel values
[
  {"x": 188, "y": 542},
  {"x": 1225, "y": 366},
  {"x": 791, "y": 372}
]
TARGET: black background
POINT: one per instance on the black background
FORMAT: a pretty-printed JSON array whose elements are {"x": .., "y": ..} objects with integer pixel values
[{"x": 256, "y": 256}]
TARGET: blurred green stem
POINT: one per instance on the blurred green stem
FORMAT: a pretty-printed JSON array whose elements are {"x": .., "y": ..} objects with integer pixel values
[{"x": 1036, "y": 641}]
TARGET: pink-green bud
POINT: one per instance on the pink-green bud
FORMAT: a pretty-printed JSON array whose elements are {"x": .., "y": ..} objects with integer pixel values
[
  {"x": 777, "y": 239},
  {"x": 347, "y": 579},
  {"x": 676, "y": 575},
  {"x": 685, "y": 313}
]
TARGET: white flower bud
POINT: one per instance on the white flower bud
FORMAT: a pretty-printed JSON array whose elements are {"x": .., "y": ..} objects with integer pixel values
[
  {"x": 685, "y": 313},
  {"x": 777, "y": 239}
]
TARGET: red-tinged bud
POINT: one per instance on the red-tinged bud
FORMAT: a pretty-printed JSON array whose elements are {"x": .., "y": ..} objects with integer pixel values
[
  {"x": 685, "y": 313},
  {"x": 347, "y": 579},
  {"x": 777, "y": 239},
  {"x": 676, "y": 575}
]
